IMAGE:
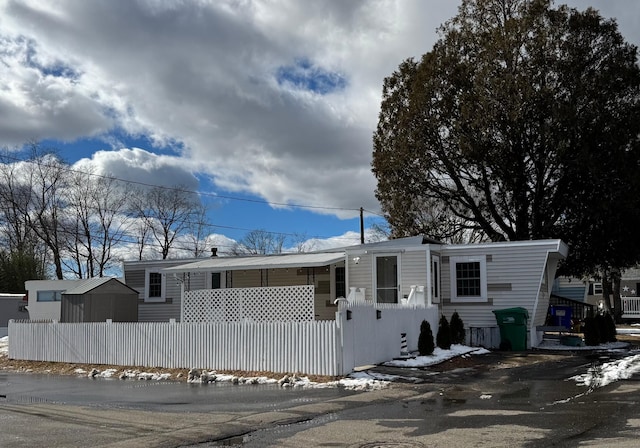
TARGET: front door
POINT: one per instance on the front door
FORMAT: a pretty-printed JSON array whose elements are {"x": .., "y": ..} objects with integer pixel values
[{"x": 387, "y": 286}]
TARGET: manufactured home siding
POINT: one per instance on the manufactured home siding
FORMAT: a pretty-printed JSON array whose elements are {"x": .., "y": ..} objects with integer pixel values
[
  {"x": 514, "y": 274},
  {"x": 413, "y": 269},
  {"x": 247, "y": 279},
  {"x": 134, "y": 277},
  {"x": 360, "y": 275}
]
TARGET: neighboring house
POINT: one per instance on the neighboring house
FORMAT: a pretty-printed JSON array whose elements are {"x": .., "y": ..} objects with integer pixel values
[
  {"x": 45, "y": 297},
  {"x": 572, "y": 288},
  {"x": 472, "y": 279},
  {"x": 85, "y": 300},
  {"x": 12, "y": 306}
]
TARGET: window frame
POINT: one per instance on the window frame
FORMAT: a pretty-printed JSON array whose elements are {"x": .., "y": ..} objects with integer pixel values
[
  {"x": 147, "y": 286},
  {"x": 57, "y": 295},
  {"x": 454, "y": 262},
  {"x": 397, "y": 277},
  {"x": 436, "y": 273},
  {"x": 340, "y": 283}
]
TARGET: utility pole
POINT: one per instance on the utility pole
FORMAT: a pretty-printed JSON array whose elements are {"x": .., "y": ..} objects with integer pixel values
[{"x": 361, "y": 225}]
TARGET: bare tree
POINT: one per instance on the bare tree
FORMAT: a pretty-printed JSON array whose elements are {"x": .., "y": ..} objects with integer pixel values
[
  {"x": 165, "y": 213},
  {"x": 96, "y": 206},
  {"x": 42, "y": 205},
  {"x": 259, "y": 242},
  {"x": 15, "y": 195},
  {"x": 199, "y": 237}
]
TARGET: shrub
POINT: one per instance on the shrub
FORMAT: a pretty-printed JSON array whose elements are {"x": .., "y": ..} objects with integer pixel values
[
  {"x": 426, "y": 346},
  {"x": 457, "y": 329},
  {"x": 601, "y": 324},
  {"x": 610, "y": 329},
  {"x": 443, "y": 338},
  {"x": 591, "y": 332}
]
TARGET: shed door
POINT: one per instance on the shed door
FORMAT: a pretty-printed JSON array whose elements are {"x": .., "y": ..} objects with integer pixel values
[{"x": 387, "y": 286}]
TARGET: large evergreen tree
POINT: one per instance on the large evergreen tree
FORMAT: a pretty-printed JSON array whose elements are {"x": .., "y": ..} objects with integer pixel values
[{"x": 521, "y": 123}]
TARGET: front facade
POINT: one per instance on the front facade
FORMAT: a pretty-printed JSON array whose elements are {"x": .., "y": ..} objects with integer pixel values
[{"x": 473, "y": 279}]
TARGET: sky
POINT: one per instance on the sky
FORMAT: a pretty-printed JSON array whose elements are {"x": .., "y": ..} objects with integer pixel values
[{"x": 265, "y": 107}]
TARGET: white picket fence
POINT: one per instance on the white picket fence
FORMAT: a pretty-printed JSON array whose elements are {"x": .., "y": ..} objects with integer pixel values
[
  {"x": 362, "y": 334},
  {"x": 309, "y": 347}
]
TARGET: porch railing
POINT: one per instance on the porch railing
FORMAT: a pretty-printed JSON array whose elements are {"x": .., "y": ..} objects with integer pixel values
[{"x": 631, "y": 307}]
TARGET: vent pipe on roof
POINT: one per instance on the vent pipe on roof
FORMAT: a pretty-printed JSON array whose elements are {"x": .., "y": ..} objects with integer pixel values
[{"x": 214, "y": 251}]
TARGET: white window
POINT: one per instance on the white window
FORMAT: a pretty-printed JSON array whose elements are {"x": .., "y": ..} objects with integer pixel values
[
  {"x": 154, "y": 286},
  {"x": 49, "y": 296},
  {"x": 468, "y": 279},
  {"x": 597, "y": 288}
]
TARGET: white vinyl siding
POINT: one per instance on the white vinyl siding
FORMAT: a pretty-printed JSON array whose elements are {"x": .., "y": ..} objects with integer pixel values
[
  {"x": 414, "y": 270},
  {"x": 360, "y": 274},
  {"x": 513, "y": 274}
]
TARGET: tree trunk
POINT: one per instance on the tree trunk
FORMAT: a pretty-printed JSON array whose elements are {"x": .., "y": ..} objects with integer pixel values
[
  {"x": 606, "y": 291},
  {"x": 617, "y": 299}
]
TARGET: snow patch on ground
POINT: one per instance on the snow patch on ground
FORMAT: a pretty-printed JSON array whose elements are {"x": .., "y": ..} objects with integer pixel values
[
  {"x": 609, "y": 372},
  {"x": 357, "y": 381},
  {"x": 439, "y": 355}
]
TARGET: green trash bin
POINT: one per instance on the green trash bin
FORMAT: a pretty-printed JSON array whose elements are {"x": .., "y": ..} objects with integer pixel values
[{"x": 513, "y": 328}]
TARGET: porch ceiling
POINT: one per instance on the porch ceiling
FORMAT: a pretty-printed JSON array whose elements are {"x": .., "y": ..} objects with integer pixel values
[{"x": 306, "y": 260}]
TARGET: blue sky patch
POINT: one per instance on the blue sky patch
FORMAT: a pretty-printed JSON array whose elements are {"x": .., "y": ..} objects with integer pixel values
[
  {"x": 304, "y": 75},
  {"x": 57, "y": 69}
]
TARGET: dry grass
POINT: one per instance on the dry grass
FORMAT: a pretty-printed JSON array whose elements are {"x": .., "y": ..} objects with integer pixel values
[{"x": 62, "y": 368}]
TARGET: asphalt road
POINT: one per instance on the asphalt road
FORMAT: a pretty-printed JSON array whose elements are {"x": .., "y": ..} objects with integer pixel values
[{"x": 499, "y": 400}]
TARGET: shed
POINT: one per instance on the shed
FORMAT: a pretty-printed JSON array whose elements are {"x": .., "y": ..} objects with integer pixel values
[
  {"x": 99, "y": 299},
  {"x": 12, "y": 306}
]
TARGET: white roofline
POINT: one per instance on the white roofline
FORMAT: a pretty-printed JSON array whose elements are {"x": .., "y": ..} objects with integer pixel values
[
  {"x": 285, "y": 261},
  {"x": 559, "y": 245}
]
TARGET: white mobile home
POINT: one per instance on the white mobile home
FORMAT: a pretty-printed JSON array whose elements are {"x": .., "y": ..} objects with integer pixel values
[{"x": 473, "y": 279}]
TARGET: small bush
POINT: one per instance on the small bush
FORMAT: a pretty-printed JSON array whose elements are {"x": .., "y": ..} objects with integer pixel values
[
  {"x": 426, "y": 346},
  {"x": 610, "y": 329},
  {"x": 601, "y": 324},
  {"x": 443, "y": 338},
  {"x": 457, "y": 329},
  {"x": 591, "y": 332}
]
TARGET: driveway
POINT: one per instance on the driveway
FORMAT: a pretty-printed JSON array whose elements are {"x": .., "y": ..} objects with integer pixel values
[{"x": 499, "y": 399}]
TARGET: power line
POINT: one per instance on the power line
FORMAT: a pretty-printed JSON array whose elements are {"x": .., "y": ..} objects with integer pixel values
[{"x": 184, "y": 190}]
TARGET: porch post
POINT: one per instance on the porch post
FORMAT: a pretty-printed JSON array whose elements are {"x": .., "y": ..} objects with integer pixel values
[
  {"x": 182, "y": 301},
  {"x": 429, "y": 276}
]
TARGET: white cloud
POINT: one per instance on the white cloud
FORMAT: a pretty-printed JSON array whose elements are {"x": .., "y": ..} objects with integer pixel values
[
  {"x": 205, "y": 75},
  {"x": 141, "y": 166}
]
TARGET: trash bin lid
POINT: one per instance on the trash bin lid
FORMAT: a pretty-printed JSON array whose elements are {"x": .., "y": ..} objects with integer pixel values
[{"x": 515, "y": 310}]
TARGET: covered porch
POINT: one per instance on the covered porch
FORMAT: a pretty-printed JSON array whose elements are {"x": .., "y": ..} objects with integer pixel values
[{"x": 303, "y": 284}]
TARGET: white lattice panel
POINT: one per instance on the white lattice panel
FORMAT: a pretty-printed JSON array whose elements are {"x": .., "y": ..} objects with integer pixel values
[{"x": 275, "y": 304}]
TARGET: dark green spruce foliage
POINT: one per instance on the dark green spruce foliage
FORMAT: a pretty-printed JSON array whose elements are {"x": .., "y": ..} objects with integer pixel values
[
  {"x": 443, "y": 338},
  {"x": 426, "y": 346},
  {"x": 457, "y": 329}
]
